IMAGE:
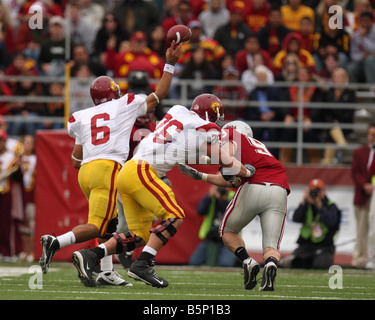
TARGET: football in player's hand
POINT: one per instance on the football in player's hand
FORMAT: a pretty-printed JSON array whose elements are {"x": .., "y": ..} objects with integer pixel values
[{"x": 180, "y": 33}]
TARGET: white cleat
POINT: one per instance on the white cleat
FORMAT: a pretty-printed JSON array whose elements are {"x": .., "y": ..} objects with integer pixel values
[{"x": 112, "y": 278}]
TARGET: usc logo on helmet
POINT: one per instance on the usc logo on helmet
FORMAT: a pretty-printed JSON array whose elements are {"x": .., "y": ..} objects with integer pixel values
[
  {"x": 215, "y": 106},
  {"x": 113, "y": 86}
]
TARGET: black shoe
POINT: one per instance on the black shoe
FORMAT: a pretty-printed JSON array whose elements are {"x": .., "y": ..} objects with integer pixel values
[
  {"x": 50, "y": 246},
  {"x": 269, "y": 275},
  {"x": 125, "y": 259},
  {"x": 251, "y": 269},
  {"x": 85, "y": 262},
  {"x": 143, "y": 270}
]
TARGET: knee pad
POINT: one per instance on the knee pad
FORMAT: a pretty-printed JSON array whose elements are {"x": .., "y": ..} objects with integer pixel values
[
  {"x": 130, "y": 241},
  {"x": 165, "y": 225}
]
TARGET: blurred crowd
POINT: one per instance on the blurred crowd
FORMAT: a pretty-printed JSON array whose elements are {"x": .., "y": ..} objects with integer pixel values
[{"x": 252, "y": 42}]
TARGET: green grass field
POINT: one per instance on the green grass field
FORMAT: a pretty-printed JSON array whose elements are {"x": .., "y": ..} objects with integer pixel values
[{"x": 20, "y": 282}]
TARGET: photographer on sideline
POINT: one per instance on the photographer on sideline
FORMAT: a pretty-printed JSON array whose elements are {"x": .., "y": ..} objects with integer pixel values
[{"x": 321, "y": 221}]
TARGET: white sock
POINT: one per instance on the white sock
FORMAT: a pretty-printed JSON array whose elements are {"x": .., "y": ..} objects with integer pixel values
[
  {"x": 66, "y": 239},
  {"x": 106, "y": 264},
  {"x": 150, "y": 250}
]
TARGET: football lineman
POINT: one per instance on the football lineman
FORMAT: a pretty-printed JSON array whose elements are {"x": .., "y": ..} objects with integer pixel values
[
  {"x": 181, "y": 135},
  {"x": 264, "y": 194},
  {"x": 102, "y": 135}
]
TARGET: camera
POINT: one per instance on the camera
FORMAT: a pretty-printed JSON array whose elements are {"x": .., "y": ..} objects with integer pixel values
[{"x": 314, "y": 193}]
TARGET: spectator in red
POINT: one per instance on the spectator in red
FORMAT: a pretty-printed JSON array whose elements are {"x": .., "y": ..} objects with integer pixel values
[
  {"x": 214, "y": 52},
  {"x": 19, "y": 64},
  {"x": 244, "y": 58},
  {"x": 6, "y": 28},
  {"x": 256, "y": 14},
  {"x": 272, "y": 35},
  {"x": 307, "y": 34},
  {"x": 292, "y": 43},
  {"x": 184, "y": 16},
  {"x": 230, "y": 93},
  {"x": 50, "y": 8},
  {"x": 232, "y": 35},
  {"x": 138, "y": 57}
]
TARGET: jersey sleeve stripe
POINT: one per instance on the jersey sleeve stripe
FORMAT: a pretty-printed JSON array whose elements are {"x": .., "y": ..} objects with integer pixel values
[{"x": 112, "y": 200}]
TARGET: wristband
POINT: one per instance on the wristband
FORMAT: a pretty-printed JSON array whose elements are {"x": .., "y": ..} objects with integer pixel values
[
  {"x": 74, "y": 158},
  {"x": 204, "y": 177},
  {"x": 156, "y": 97},
  {"x": 169, "y": 68},
  {"x": 170, "y": 62}
]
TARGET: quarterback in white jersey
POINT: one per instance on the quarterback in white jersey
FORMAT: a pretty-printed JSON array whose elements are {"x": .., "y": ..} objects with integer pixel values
[
  {"x": 102, "y": 135},
  {"x": 104, "y": 130},
  {"x": 179, "y": 137}
]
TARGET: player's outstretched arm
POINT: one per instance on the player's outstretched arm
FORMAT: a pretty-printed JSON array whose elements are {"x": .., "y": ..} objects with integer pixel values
[
  {"x": 216, "y": 179},
  {"x": 172, "y": 55}
]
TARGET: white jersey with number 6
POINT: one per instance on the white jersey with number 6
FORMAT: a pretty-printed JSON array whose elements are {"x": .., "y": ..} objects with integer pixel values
[
  {"x": 104, "y": 130},
  {"x": 176, "y": 139}
]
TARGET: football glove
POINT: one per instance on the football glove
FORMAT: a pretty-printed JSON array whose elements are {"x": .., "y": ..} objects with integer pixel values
[
  {"x": 250, "y": 168},
  {"x": 228, "y": 177},
  {"x": 189, "y": 171}
]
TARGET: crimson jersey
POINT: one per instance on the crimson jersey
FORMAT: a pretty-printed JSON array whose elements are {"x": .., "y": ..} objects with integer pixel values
[{"x": 252, "y": 151}]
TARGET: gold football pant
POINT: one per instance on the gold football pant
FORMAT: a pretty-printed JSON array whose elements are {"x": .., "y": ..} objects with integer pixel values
[
  {"x": 98, "y": 182},
  {"x": 144, "y": 196}
]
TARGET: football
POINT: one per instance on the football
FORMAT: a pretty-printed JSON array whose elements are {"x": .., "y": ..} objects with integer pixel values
[{"x": 180, "y": 33}]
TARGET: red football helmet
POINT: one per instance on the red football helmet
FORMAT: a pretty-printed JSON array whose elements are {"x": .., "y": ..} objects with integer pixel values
[
  {"x": 209, "y": 108},
  {"x": 104, "y": 89}
]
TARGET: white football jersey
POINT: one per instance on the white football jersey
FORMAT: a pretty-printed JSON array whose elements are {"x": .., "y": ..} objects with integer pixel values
[
  {"x": 28, "y": 165},
  {"x": 6, "y": 162},
  {"x": 176, "y": 139},
  {"x": 104, "y": 130}
]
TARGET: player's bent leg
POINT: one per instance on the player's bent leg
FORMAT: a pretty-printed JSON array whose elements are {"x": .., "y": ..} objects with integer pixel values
[
  {"x": 142, "y": 269},
  {"x": 251, "y": 268}
]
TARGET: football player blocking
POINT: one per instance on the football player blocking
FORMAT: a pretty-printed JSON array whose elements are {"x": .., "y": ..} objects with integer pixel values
[
  {"x": 99, "y": 154},
  {"x": 145, "y": 195},
  {"x": 264, "y": 194}
]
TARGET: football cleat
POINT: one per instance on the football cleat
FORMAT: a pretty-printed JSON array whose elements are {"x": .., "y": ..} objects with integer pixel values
[
  {"x": 50, "y": 246},
  {"x": 125, "y": 259},
  {"x": 269, "y": 275},
  {"x": 141, "y": 270},
  {"x": 85, "y": 262},
  {"x": 112, "y": 278},
  {"x": 251, "y": 269}
]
